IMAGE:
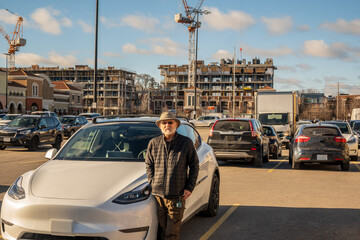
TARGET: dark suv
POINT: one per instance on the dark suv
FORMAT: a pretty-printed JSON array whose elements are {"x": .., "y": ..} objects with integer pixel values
[
  {"x": 235, "y": 139},
  {"x": 72, "y": 123},
  {"x": 31, "y": 131}
]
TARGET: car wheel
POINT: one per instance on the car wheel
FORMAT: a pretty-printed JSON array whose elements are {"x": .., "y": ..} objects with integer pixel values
[
  {"x": 266, "y": 157},
  {"x": 2, "y": 147},
  {"x": 213, "y": 204},
  {"x": 276, "y": 153},
  {"x": 353, "y": 158},
  {"x": 258, "y": 159},
  {"x": 57, "y": 143},
  {"x": 295, "y": 165},
  {"x": 345, "y": 166},
  {"x": 34, "y": 144}
]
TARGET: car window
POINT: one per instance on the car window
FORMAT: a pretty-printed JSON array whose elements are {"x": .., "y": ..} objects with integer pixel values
[
  {"x": 83, "y": 119},
  {"x": 232, "y": 126},
  {"x": 66, "y": 120},
  {"x": 201, "y": 118},
  {"x": 23, "y": 122},
  {"x": 190, "y": 133},
  {"x": 77, "y": 120},
  {"x": 43, "y": 122},
  {"x": 344, "y": 128},
  {"x": 320, "y": 131},
  {"x": 110, "y": 142},
  {"x": 268, "y": 131},
  {"x": 50, "y": 122},
  {"x": 356, "y": 126}
]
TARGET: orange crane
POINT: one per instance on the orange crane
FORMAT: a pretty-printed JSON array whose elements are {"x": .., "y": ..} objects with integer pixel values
[
  {"x": 192, "y": 25},
  {"x": 16, "y": 41}
]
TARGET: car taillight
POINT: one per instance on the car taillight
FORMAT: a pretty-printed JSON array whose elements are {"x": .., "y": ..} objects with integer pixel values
[
  {"x": 304, "y": 158},
  {"x": 340, "y": 139},
  {"x": 302, "y": 139},
  {"x": 253, "y": 133},
  {"x": 212, "y": 129}
]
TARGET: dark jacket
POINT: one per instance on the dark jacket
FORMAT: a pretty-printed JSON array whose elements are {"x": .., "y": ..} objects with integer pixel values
[{"x": 167, "y": 169}]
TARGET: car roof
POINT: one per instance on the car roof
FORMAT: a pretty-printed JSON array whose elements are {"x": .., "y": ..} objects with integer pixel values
[
  {"x": 103, "y": 120},
  {"x": 68, "y": 116},
  {"x": 34, "y": 116}
]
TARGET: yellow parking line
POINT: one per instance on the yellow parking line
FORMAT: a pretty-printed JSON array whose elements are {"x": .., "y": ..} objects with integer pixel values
[
  {"x": 219, "y": 222},
  {"x": 34, "y": 161},
  {"x": 277, "y": 165}
]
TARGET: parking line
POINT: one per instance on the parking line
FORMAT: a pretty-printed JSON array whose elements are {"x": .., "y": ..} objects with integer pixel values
[
  {"x": 219, "y": 222},
  {"x": 277, "y": 165},
  {"x": 34, "y": 161}
]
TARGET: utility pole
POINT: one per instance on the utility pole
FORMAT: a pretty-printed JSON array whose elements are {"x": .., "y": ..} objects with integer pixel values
[
  {"x": 337, "y": 101},
  {"x": 96, "y": 50},
  {"x": 7, "y": 82},
  {"x": 233, "y": 115}
]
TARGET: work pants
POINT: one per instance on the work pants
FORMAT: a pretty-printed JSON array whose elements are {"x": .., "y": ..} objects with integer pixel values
[{"x": 169, "y": 217}]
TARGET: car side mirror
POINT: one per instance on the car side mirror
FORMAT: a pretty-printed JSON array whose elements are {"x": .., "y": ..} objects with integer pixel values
[{"x": 51, "y": 153}]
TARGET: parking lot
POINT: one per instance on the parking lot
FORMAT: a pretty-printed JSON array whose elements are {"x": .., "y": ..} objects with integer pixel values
[{"x": 272, "y": 202}]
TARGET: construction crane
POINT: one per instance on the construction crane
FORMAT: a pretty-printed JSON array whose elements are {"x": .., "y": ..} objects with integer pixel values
[
  {"x": 16, "y": 41},
  {"x": 192, "y": 25}
]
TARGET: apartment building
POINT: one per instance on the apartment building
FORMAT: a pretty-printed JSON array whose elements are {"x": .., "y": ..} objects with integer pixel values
[
  {"x": 116, "y": 92},
  {"x": 216, "y": 84}
]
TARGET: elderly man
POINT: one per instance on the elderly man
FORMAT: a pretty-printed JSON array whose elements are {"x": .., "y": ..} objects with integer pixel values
[{"x": 168, "y": 159}]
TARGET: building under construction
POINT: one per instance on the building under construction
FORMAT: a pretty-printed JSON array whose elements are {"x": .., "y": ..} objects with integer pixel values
[
  {"x": 216, "y": 85},
  {"x": 115, "y": 87}
]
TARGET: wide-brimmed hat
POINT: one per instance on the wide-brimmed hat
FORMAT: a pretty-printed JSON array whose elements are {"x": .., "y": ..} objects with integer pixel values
[{"x": 168, "y": 116}]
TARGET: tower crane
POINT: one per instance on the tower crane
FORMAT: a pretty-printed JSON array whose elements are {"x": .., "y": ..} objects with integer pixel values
[
  {"x": 192, "y": 25},
  {"x": 16, "y": 41}
]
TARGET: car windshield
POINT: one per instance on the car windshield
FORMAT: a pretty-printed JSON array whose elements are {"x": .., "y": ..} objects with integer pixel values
[
  {"x": 356, "y": 126},
  {"x": 23, "y": 122},
  {"x": 232, "y": 126},
  {"x": 67, "y": 120},
  {"x": 110, "y": 142},
  {"x": 344, "y": 127},
  {"x": 268, "y": 131},
  {"x": 273, "y": 118},
  {"x": 10, "y": 117}
]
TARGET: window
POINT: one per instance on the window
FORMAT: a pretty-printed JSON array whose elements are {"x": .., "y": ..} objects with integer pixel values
[
  {"x": 78, "y": 99},
  {"x": 73, "y": 97},
  {"x": 35, "y": 88}
]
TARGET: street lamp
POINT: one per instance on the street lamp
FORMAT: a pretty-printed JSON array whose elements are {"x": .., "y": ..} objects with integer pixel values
[{"x": 6, "y": 86}]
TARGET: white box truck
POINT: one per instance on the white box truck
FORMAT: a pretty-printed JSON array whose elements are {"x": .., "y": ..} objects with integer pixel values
[
  {"x": 355, "y": 114},
  {"x": 279, "y": 109}
]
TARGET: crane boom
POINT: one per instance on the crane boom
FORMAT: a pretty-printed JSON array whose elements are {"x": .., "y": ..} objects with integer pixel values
[{"x": 16, "y": 41}]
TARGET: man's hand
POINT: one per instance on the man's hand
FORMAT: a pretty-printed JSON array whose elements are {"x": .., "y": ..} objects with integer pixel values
[{"x": 186, "y": 194}]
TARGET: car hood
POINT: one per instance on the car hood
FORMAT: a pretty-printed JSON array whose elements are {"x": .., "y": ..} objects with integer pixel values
[
  {"x": 14, "y": 129},
  {"x": 85, "y": 180},
  {"x": 2, "y": 122}
]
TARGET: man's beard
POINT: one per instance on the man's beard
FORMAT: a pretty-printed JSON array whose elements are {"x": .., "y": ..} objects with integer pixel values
[{"x": 168, "y": 131}]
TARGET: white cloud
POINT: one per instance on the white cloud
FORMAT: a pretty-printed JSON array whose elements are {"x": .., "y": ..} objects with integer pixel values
[
  {"x": 234, "y": 20},
  {"x": 53, "y": 59},
  {"x": 8, "y": 17},
  {"x": 318, "y": 48},
  {"x": 288, "y": 83},
  {"x": 47, "y": 22},
  {"x": 303, "y": 28},
  {"x": 343, "y": 26},
  {"x": 149, "y": 24},
  {"x": 276, "y": 52},
  {"x": 222, "y": 54},
  {"x": 157, "y": 46},
  {"x": 278, "y": 26},
  {"x": 66, "y": 22},
  {"x": 305, "y": 66},
  {"x": 87, "y": 28},
  {"x": 112, "y": 54},
  {"x": 287, "y": 68}
]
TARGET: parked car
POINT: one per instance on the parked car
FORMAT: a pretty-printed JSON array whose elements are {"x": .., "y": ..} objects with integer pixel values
[
  {"x": 31, "y": 131},
  {"x": 96, "y": 186},
  {"x": 8, "y": 118},
  {"x": 239, "y": 139},
  {"x": 321, "y": 144},
  {"x": 356, "y": 130},
  {"x": 44, "y": 113},
  {"x": 351, "y": 138},
  {"x": 72, "y": 123},
  {"x": 205, "y": 121},
  {"x": 90, "y": 116},
  {"x": 301, "y": 122},
  {"x": 275, "y": 145}
]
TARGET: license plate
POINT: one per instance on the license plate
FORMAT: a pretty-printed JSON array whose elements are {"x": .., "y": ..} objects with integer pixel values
[
  {"x": 322, "y": 157},
  {"x": 6, "y": 139}
]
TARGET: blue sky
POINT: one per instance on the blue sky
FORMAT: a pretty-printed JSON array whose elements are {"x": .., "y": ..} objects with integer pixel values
[{"x": 314, "y": 44}]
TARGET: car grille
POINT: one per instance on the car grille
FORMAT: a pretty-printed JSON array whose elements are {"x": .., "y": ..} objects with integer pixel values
[
  {"x": 37, "y": 236},
  {"x": 7, "y": 134}
]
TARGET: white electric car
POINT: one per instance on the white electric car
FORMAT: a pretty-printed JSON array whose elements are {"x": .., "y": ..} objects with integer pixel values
[{"x": 96, "y": 186}]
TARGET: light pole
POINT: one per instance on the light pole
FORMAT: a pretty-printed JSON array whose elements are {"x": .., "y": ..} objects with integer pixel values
[
  {"x": 94, "y": 104},
  {"x": 6, "y": 84}
]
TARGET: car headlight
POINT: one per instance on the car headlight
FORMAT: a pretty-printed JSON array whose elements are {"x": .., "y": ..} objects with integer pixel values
[
  {"x": 138, "y": 194},
  {"x": 351, "y": 139},
  {"x": 25, "y": 132},
  {"x": 16, "y": 191}
]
